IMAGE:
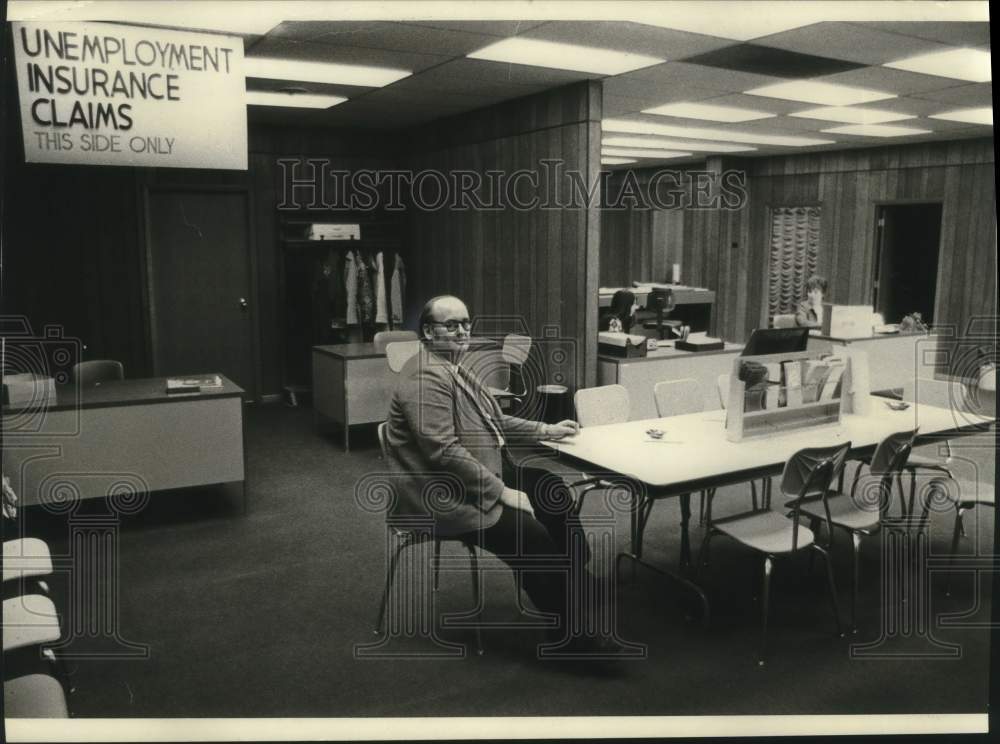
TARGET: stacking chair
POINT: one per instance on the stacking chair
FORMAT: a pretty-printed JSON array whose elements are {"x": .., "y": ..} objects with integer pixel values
[
  {"x": 964, "y": 495},
  {"x": 96, "y": 371},
  {"x": 398, "y": 353},
  {"x": 34, "y": 696},
  {"x": 382, "y": 338},
  {"x": 406, "y": 539},
  {"x": 606, "y": 404},
  {"x": 806, "y": 479},
  {"x": 863, "y": 516}
]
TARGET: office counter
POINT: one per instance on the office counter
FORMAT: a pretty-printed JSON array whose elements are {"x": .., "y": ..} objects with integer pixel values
[
  {"x": 640, "y": 374},
  {"x": 894, "y": 359},
  {"x": 124, "y": 434}
]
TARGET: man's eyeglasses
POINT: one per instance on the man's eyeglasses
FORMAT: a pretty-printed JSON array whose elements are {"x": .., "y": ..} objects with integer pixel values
[{"x": 452, "y": 325}]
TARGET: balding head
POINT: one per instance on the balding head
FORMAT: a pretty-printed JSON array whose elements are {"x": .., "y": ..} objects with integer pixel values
[{"x": 438, "y": 313}]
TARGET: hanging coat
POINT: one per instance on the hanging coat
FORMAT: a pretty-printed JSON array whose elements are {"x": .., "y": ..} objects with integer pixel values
[
  {"x": 381, "y": 308},
  {"x": 366, "y": 292},
  {"x": 351, "y": 287},
  {"x": 397, "y": 289},
  {"x": 336, "y": 289}
]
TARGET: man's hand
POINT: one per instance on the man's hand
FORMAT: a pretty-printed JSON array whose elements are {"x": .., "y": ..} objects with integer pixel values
[
  {"x": 565, "y": 428},
  {"x": 516, "y": 500}
]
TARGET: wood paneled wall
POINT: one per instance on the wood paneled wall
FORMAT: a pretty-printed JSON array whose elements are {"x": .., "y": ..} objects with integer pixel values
[
  {"x": 538, "y": 267},
  {"x": 727, "y": 250}
]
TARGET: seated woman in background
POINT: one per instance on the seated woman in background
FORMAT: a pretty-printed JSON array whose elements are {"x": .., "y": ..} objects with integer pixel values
[
  {"x": 809, "y": 313},
  {"x": 619, "y": 317}
]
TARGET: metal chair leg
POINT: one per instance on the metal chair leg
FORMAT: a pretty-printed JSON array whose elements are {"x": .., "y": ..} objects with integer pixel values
[
  {"x": 764, "y": 597},
  {"x": 436, "y": 565},
  {"x": 855, "y": 579},
  {"x": 474, "y": 562},
  {"x": 833, "y": 588},
  {"x": 701, "y": 508},
  {"x": 857, "y": 477},
  {"x": 753, "y": 494},
  {"x": 956, "y": 532},
  {"x": 814, "y": 524},
  {"x": 389, "y": 576}
]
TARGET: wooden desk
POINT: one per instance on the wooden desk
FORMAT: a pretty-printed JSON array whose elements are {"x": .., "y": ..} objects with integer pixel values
[
  {"x": 128, "y": 433},
  {"x": 639, "y": 375},
  {"x": 694, "y": 455},
  {"x": 352, "y": 384},
  {"x": 894, "y": 359}
]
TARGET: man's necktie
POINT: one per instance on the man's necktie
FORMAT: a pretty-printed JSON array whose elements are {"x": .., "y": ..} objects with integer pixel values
[{"x": 475, "y": 391}]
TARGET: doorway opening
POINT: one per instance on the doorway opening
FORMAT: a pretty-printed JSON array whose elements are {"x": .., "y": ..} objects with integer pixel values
[{"x": 907, "y": 244}]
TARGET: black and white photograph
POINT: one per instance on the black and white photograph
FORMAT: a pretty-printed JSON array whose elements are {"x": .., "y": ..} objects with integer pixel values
[{"x": 497, "y": 370}]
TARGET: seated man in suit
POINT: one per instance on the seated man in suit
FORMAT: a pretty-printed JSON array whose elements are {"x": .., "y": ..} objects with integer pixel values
[{"x": 445, "y": 433}]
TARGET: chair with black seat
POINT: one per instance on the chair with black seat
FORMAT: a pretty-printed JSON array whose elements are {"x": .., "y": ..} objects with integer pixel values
[
  {"x": 382, "y": 338},
  {"x": 864, "y": 516},
  {"x": 96, "y": 371},
  {"x": 661, "y": 301},
  {"x": 806, "y": 478}
]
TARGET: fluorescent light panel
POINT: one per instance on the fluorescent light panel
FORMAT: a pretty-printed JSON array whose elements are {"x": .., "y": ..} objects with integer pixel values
[
  {"x": 671, "y": 143},
  {"x": 827, "y": 94},
  {"x": 629, "y": 126},
  {"x": 981, "y": 115},
  {"x": 321, "y": 72},
  {"x": 292, "y": 100},
  {"x": 539, "y": 53},
  {"x": 708, "y": 112},
  {"x": 850, "y": 115},
  {"x": 876, "y": 130},
  {"x": 616, "y": 161},
  {"x": 642, "y": 153},
  {"x": 960, "y": 64}
]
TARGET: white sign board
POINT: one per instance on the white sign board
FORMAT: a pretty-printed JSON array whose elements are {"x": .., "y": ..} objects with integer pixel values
[{"x": 104, "y": 94}]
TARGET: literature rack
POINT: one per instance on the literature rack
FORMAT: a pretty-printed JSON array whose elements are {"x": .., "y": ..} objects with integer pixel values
[{"x": 780, "y": 393}]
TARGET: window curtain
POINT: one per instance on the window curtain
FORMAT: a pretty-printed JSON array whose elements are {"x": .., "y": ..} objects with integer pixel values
[{"x": 793, "y": 257}]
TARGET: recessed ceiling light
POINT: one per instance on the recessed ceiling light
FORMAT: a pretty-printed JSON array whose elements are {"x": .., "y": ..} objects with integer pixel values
[
  {"x": 321, "y": 72},
  {"x": 671, "y": 143},
  {"x": 708, "y": 112},
  {"x": 642, "y": 153},
  {"x": 616, "y": 161},
  {"x": 876, "y": 130},
  {"x": 291, "y": 100},
  {"x": 852, "y": 115},
  {"x": 538, "y": 53},
  {"x": 961, "y": 64},
  {"x": 629, "y": 126},
  {"x": 981, "y": 115},
  {"x": 827, "y": 94}
]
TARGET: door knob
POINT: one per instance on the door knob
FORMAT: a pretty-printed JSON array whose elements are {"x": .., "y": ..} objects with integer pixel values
[{"x": 243, "y": 303}]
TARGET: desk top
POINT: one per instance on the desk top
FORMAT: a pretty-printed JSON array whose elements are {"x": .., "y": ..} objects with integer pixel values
[
  {"x": 129, "y": 392},
  {"x": 670, "y": 353},
  {"x": 683, "y": 295},
  {"x": 694, "y": 449},
  {"x": 873, "y": 337}
]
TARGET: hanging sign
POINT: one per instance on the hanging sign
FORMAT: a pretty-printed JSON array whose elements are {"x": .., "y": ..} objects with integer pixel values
[{"x": 104, "y": 94}]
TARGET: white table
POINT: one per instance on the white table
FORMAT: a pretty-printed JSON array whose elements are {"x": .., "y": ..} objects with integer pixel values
[{"x": 694, "y": 454}]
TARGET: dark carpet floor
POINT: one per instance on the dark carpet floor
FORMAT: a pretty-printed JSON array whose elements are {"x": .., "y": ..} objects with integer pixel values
[{"x": 260, "y": 614}]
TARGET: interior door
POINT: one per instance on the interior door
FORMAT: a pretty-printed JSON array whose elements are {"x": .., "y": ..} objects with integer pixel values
[
  {"x": 906, "y": 260},
  {"x": 199, "y": 279}
]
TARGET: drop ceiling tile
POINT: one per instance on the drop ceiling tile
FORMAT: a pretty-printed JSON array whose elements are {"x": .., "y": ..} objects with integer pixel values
[
  {"x": 957, "y": 33},
  {"x": 348, "y": 91},
  {"x": 938, "y": 125},
  {"x": 384, "y": 35},
  {"x": 453, "y": 84},
  {"x": 758, "y": 103},
  {"x": 900, "y": 82},
  {"x": 492, "y": 28},
  {"x": 441, "y": 99},
  {"x": 852, "y": 42},
  {"x": 968, "y": 95},
  {"x": 504, "y": 72},
  {"x": 763, "y": 60},
  {"x": 700, "y": 76},
  {"x": 619, "y": 105},
  {"x": 785, "y": 125},
  {"x": 655, "y": 93},
  {"x": 637, "y": 38},
  {"x": 312, "y": 52}
]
